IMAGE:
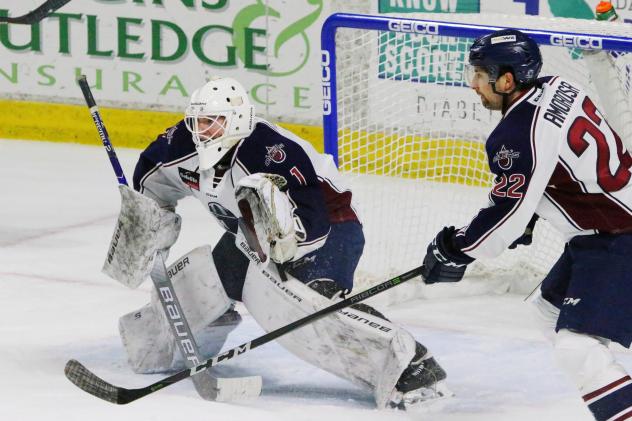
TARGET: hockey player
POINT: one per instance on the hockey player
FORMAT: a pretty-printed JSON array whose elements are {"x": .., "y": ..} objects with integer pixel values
[
  {"x": 555, "y": 156},
  {"x": 303, "y": 242}
]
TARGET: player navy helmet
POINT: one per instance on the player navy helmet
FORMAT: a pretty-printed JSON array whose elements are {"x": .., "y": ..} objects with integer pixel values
[{"x": 507, "y": 50}]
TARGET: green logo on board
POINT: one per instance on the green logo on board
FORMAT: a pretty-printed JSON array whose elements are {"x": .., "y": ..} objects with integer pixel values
[{"x": 281, "y": 40}]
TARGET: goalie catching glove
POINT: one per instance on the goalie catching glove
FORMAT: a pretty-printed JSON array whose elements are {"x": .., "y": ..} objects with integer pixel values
[
  {"x": 443, "y": 261},
  {"x": 268, "y": 215}
]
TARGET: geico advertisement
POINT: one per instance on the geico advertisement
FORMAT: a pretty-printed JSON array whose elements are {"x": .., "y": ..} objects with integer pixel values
[
  {"x": 155, "y": 53},
  {"x": 436, "y": 94},
  {"x": 581, "y": 9}
]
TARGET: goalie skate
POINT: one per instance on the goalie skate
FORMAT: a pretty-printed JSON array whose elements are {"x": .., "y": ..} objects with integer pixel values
[
  {"x": 423, "y": 399},
  {"x": 422, "y": 384}
]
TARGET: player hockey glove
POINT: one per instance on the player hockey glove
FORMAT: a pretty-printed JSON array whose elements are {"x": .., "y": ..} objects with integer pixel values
[
  {"x": 527, "y": 237},
  {"x": 443, "y": 261}
]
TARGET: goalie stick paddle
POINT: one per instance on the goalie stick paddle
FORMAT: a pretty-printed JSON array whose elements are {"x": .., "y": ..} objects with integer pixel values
[
  {"x": 91, "y": 383},
  {"x": 35, "y": 15},
  {"x": 207, "y": 385}
]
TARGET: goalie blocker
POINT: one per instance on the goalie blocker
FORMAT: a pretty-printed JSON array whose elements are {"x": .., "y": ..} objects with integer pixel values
[{"x": 141, "y": 230}]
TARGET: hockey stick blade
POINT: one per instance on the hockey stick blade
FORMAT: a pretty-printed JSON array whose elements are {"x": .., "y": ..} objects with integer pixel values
[
  {"x": 35, "y": 15},
  {"x": 89, "y": 382}
]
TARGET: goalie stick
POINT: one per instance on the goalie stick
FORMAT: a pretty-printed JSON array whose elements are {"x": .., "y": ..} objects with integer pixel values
[
  {"x": 207, "y": 385},
  {"x": 35, "y": 15},
  {"x": 91, "y": 383}
]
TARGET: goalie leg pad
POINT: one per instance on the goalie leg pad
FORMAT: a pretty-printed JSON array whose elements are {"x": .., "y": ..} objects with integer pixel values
[
  {"x": 422, "y": 380},
  {"x": 146, "y": 334},
  {"x": 148, "y": 343},
  {"x": 330, "y": 289},
  {"x": 142, "y": 228},
  {"x": 363, "y": 348}
]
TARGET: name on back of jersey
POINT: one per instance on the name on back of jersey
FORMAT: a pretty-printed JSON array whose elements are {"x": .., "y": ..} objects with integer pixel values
[{"x": 561, "y": 104}]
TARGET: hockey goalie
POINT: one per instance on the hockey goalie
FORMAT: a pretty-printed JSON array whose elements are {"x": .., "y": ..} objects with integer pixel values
[{"x": 291, "y": 244}]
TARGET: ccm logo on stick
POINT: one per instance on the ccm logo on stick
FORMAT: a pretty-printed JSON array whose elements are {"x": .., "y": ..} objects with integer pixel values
[
  {"x": 398, "y": 25},
  {"x": 586, "y": 43}
]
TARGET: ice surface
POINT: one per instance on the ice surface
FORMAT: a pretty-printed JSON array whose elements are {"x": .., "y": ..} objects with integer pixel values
[{"x": 58, "y": 205}]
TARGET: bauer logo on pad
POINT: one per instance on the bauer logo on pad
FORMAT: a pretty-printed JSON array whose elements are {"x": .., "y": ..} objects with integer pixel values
[{"x": 503, "y": 38}]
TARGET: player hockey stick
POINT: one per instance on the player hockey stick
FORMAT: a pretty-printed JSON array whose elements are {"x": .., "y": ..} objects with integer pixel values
[
  {"x": 207, "y": 385},
  {"x": 35, "y": 15},
  {"x": 89, "y": 382}
]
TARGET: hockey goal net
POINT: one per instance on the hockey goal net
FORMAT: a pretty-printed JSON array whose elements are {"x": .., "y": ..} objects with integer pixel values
[{"x": 410, "y": 134}]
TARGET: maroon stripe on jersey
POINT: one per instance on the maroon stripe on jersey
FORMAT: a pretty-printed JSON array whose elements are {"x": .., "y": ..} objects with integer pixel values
[
  {"x": 516, "y": 100},
  {"x": 605, "y": 389},
  {"x": 563, "y": 212},
  {"x": 625, "y": 416},
  {"x": 338, "y": 203},
  {"x": 589, "y": 211}
]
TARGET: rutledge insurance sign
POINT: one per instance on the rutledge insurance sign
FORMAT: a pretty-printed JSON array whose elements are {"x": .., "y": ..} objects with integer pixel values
[{"x": 154, "y": 53}]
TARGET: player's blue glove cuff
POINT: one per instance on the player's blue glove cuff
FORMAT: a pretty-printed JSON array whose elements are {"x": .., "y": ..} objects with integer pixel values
[{"x": 443, "y": 261}]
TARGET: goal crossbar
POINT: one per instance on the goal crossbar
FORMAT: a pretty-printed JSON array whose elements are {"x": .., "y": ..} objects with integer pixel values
[{"x": 584, "y": 41}]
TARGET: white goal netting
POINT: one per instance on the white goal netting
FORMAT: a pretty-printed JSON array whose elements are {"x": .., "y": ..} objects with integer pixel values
[{"x": 411, "y": 136}]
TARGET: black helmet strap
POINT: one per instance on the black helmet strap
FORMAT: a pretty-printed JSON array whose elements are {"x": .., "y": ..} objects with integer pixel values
[{"x": 517, "y": 86}]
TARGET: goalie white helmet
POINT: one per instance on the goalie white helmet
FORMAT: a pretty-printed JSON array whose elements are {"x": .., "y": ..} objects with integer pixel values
[{"x": 219, "y": 115}]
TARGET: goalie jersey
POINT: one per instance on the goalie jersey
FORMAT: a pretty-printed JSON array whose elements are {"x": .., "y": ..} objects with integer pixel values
[
  {"x": 167, "y": 171},
  {"x": 555, "y": 155}
]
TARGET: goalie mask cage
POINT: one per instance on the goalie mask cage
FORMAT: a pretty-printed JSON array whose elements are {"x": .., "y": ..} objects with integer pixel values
[{"x": 400, "y": 120}]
